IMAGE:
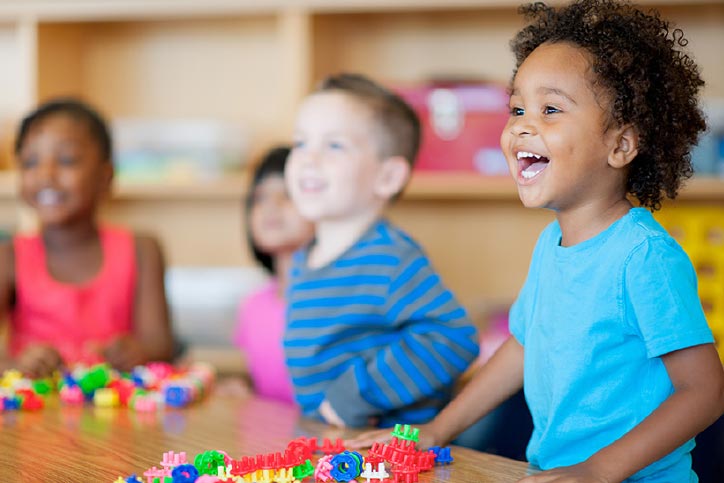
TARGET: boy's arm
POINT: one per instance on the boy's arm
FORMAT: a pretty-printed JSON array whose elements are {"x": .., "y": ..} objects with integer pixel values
[
  {"x": 434, "y": 343},
  {"x": 493, "y": 383},
  {"x": 697, "y": 401},
  {"x": 151, "y": 339}
]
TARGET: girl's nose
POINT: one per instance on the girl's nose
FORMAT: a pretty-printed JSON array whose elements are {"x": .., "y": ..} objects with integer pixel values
[
  {"x": 521, "y": 126},
  {"x": 47, "y": 169}
]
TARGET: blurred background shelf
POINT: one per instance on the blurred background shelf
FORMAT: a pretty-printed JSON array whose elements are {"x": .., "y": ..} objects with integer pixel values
[
  {"x": 249, "y": 63},
  {"x": 424, "y": 186}
]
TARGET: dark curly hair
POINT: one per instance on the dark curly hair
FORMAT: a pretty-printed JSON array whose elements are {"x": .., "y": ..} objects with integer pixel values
[
  {"x": 637, "y": 58},
  {"x": 76, "y": 109}
]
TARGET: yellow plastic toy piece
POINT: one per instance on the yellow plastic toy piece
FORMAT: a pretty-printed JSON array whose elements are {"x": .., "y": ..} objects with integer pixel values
[{"x": 106, "y": 398}]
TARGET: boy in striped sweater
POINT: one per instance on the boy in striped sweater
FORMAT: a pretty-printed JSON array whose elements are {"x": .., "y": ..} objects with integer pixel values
[{"x": 373, "y": 336}]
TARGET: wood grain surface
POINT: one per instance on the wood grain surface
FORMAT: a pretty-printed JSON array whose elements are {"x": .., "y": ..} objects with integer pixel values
[{"x": 89, "y": 444}]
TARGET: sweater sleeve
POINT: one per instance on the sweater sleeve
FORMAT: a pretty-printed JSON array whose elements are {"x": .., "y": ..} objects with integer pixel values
[{"x": 433, "y": 342}]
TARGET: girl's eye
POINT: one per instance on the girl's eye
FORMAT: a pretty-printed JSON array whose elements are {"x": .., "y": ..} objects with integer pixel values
[
  {"x": 28, "y": 162},
  {"x": 335, "y": 145},
  {"x": 551, "y": 110},
  {"x": 517, "y": 111},
  {"x": 67, "y": 160},
  {"x": 297, "y": 144}
]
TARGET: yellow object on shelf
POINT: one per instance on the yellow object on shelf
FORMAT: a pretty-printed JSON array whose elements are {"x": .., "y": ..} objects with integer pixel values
[{"x": 700, "y": 231}]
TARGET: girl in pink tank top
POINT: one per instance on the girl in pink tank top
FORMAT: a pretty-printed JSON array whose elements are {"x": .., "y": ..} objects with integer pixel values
[
  {"x": 274, "y": 230},
  {"x": 77, "y": 291}
]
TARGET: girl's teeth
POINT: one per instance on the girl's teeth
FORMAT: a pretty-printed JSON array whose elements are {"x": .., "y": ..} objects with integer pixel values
[
  {"x": 532, "y": 170},
  {"x": 524, "y": 154},
  {"x": 48, "y": 196}
]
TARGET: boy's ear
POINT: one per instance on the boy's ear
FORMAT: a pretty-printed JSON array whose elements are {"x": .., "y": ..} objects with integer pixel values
[
  {"x": 626, "y": 147},
  {"x": 392, "y": 177}
]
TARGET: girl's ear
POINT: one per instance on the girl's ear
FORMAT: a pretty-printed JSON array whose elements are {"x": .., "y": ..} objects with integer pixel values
[
  {"x": 105, "y": 177},
  {"x": 392, "y": 177},
  {"x": 626, "y": 147}
]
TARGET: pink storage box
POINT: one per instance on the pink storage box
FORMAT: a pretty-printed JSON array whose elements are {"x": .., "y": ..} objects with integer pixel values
[{"x": 461, "y": 126}]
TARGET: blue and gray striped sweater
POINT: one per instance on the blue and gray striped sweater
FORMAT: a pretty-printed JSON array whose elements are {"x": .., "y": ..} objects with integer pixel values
[{"x": 375, "y": 332}]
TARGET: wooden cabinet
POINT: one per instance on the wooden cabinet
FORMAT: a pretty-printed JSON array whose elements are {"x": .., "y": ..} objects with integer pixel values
[{"x": 251, "y": 62}]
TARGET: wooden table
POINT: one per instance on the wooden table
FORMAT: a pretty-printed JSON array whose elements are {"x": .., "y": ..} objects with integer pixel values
[{"x": 96, "y": 445}]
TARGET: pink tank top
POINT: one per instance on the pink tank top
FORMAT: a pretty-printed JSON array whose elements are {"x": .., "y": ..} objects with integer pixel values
[{"x": 75, "y": 319}]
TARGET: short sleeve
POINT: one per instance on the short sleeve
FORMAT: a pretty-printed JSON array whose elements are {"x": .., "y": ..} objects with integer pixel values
[
  {"x": 521, "y": 310},
  {"x": 517, "y": 316},
  {"x": 661, "y": 300}
]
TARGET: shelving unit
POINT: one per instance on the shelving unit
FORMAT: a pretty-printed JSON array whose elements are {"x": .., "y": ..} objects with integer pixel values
[{"x": 250, "y": 62}]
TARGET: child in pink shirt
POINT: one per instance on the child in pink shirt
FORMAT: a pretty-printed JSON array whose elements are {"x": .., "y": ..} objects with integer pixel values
[
  {"x": 78, "y": 290},
  {"x": 274, "y": 231}
]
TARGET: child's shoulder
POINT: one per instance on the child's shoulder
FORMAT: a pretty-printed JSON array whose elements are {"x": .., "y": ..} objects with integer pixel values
[
  {"x": 387, "y": 234},
  {"x": 148, "y": 249},
  {"x": 383, "y": 248},
  {"x": 642, "y": 229},
  {"x": 7, "y": 261}
]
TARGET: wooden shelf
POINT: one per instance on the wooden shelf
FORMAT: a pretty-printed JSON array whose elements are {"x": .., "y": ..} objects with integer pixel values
[
  {"x": 432, "y": 186},
  {"x": 94, "y": 10}
]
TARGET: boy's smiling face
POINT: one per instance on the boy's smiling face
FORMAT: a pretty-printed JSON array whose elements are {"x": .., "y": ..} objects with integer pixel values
[
  {"x": 556, "y": 142},
  {"x": 334, "y": 169}
]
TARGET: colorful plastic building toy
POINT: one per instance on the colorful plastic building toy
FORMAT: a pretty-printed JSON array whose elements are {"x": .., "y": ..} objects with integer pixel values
[
  {"x": 304, "y": 470},
  {"x": 442, "y": 455},
  {"x": 406, "y": 433},
  {"x": 185, "y": 474},
  {"x": 208, "y": 462},
  {"x": 331, "y": 448},
  {"x": 292, "y": 466},
  {"x": 106, "y": 398},
  {"x": 379, "y": 474},
  {"x": 346, "y": 466},
  {"x": 324, "y": 466}
]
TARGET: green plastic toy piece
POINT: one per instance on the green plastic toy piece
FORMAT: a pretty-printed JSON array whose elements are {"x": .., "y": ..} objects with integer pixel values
[
  {"x": 42, "y": 386},
  {"x": 97, "y": 377},
  {"x": 208, "y": 462},
  {"x": 406, "y": 433},
  {"x": 304, "y": 470}
]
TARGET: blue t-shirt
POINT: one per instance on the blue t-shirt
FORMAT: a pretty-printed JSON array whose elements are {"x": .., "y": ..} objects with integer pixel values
[{"x": 594, "y": 320}]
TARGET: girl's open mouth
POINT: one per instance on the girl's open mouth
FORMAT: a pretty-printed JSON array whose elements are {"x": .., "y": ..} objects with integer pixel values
[{"x": 531, "y": 165}]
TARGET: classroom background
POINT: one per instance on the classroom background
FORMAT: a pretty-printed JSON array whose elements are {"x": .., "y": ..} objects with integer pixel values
[{"x": 196, "y": 90}]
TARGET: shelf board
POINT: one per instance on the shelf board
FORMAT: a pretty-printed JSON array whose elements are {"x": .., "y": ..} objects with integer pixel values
[
  {"x": 95, "y": 10},
  {"x": 424, "y": 186}
]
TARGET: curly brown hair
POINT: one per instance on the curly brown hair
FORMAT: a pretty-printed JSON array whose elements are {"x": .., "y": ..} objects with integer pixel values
[{"x": 654, "y": 86}]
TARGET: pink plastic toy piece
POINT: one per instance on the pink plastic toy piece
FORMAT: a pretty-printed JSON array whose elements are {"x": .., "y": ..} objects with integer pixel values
[
  {"x": 207, "y": 479},
  {"x": 144, "y": 404},
  {"x": 162, "y": 370},
  {"x": 171, "y": 460},
  {"x": 71, "y": 395},
  {"x": 154, "y": 472},
  {"x": 321, "y": 472}
]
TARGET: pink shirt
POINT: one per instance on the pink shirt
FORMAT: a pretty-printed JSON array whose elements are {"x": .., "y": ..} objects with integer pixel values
[
  {"x": 261, "y": 321},
  {"x": 75, "y": 319}
]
